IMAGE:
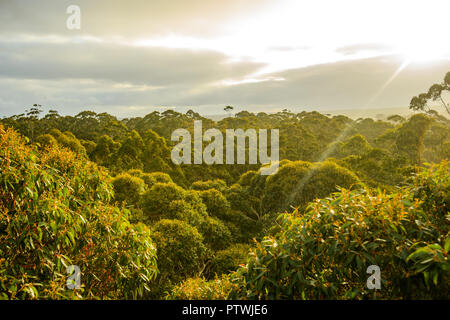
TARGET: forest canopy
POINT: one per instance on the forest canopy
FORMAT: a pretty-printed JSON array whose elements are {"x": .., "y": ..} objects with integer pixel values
[{"x": 102, "y": 193}]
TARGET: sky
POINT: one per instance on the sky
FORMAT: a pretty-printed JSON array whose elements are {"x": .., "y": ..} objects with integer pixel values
[{"x": 133, "y": 57}]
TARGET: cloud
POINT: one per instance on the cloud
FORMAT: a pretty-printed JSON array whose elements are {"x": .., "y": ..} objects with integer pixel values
[
  {"x": 367, "y": 47},
  {"x": 341, "y": 85},
  {"x": 352, "y": 84},
  {"x": 118, "y": 63},
  {"x": 135, "y": 18},
  {"x": 209, "y": 53}
]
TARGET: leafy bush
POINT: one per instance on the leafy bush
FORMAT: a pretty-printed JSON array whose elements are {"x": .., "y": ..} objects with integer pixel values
[
  {"x": 182, "y": 210},
  {"x": 356, "y": 145},
  {"x": 241, "y": 199},
  {"x": 432, "y": 187},
  {"x": 201, "y": 289},
  {"x": 376, "y": 168},
  {"x": 216, "y": 203},
  {"x": 46, "y": 140},
  {"x": 128, "y": 188},
  {"x": 52, "y": 215},
  {"x": 243, "y": 228},
  {"x": 297, "y": 183},
  {"x": 324, "y": 252},
  {"x": 181, "y": 252},
  {"x": 217, "y": 184},
  {"x": 410, "y": 135},
  {"x": 151, "y": 178},
  {"x": 216, "y": 234},
  {"x": 194, "y": 199},
  {"x": 228, "y": 260},
  {"x": 68, "y": 140},
  {"x": 158, "y": 198}
]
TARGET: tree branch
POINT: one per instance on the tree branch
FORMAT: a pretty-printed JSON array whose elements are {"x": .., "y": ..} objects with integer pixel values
[{"x": 445, "y": 104}]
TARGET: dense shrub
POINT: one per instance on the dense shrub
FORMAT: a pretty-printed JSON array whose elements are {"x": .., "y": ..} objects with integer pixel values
[
  {"x": 244, "y": 229},
  {"x": 157, "y": 199},
  {"x": 228, "y": 260},
  {"x": 56, "y": 209},
  {"x": 432, "y": 187},
  {"x": 151, "y": 178},
  {"x": 409, "y": 137},
  {"x": 324, "y": 252},
  {"x": 89, "y": 146},
  {"x": 68, "y": 140},
  {"x": 241, "y": 199},
  {"x": 376, "y": 168},
  {"x": 216, "y": 234},
  {"x": 46, "y": 140},
  {"x": 202, "y": 289},
  {"x": 182, "y": 210},
  {"x": 216, "y": 203},
  {"x": 217, "y": 184},
  {"x": 194, "y": 199},
  {"x": 52, "y": 215},
  {"x": 356, "y": 145},
  {"x": 128, "y": 188},
  {"x": 297, "y": 183},
  {"x": 181, "y": 252}
]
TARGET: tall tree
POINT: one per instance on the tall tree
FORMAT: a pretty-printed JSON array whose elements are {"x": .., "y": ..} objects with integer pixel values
[{"x": 420, "y": 102}]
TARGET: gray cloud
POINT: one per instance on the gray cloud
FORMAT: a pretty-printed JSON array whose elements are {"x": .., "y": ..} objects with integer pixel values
[
  {"x": 118, "y": 63},
  {"x": 343, "y": 85}
]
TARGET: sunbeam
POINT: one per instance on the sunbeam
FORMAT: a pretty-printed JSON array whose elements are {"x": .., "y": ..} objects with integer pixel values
[{"x": 332, "y": 146}]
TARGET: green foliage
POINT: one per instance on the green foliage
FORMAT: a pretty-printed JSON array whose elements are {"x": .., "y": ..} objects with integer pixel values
[
  {"x": 184, "y": 211},
  {"x": 219, "y": 209},
  {"x": 377, "y": 168},
  {"x": 89, "y": 146},
  {"x": 194, "y": 199},
  {"x": 432, "y": 187},
  {"x": 68, "y": 140},
  {"x": 217, "y": 184},
  {"x": 410, "y": 135},
  {"x": 324, "y": 252},
  {"x": 241, "y": 199},
  {"x": 158, "y": 198},
  {"x": 130, "y": 152},
  {"x": 297, "y": 183},
  {"x": 46, "y": 140},
  {"x": 156, "y": 177},
  {"x": 216, "y": 234},
  {"x": 127, "y": 188},
  {"x": 436, "y": 142},
  {"x": 228, "y": 260},
  {"x": 356, "y": 145},
  {"x": 216, "y": 203},
  {"x": 105, "y": 149},
  {"x": 144, "y": 143},
  {"x": 181, "y": 252},
  {"x": 396, "y": 118},
  {"x": 54, "y": 213},
  {"x": 202, "y": 289}
]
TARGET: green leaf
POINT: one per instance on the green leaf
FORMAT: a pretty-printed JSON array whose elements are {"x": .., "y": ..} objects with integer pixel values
[{"x": 447, "y": 244}]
